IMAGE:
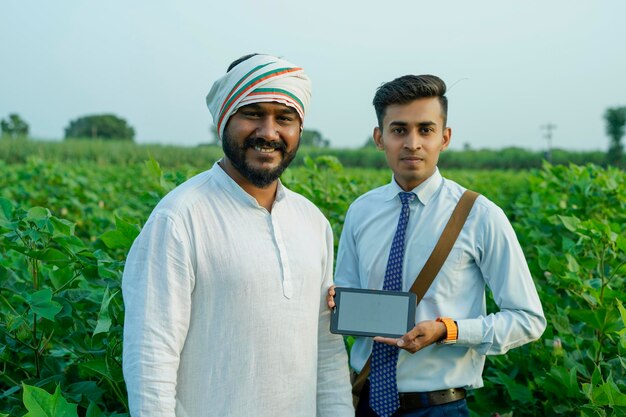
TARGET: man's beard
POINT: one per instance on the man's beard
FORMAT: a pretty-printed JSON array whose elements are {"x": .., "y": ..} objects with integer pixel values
[{"x": 261, "y": 178}]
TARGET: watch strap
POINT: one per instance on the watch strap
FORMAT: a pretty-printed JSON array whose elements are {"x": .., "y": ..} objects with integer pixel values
[{"x": 452, "y": 332}]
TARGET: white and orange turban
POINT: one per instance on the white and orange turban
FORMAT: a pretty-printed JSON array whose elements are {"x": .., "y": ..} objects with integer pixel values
[{"x": 260, "y": 78}]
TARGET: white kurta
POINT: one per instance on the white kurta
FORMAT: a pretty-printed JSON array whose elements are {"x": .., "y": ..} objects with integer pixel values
[{"x": 225, "y": 307}]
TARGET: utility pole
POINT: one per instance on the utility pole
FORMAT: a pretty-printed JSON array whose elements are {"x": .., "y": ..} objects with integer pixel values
[{"x": 548, "y": 127}]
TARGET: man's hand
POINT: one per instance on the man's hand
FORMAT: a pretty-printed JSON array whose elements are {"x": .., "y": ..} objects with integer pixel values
[
  {"x": 424, "y": 333},
  {"x": 330, "y": 298}
]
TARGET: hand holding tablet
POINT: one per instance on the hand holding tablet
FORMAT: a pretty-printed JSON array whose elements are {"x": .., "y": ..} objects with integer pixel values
[{"x": 360, "y": 312}]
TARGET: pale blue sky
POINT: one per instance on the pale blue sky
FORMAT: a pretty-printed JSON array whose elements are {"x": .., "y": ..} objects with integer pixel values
[{"x": 512, "y": 66}]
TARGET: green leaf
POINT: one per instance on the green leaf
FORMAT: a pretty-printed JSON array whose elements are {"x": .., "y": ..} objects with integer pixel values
[
  {"x": 41, "y": 303},
  {"x": 153, "y": 167},
  {"x": 568, "y": 245},
  {"x": 572, "y": 264},
  {"x": 62, "y": 227},
  {"x": 40, "y": 403},
  {"x": 555, "y": 265},
  {"x": 100, "y": 367},
  {"x": 88, "y": 390},
  {"x": 517, "y": 391},
  {"x": 61, "y": 276},
  {"x": 621, "y": 243},
  {"x": 71, "y": 244},
  {"x": 6, "y": 208},
  {"x": 51, "y": 255},
  {"x": 104, "y": 318},
  {"x": 608, "y": 394},
  {"x": 561, "y": 323},
  {"x": 570, "y": 223},
  {"x": 94, "y": 411},
  {"x": 37, "y": 213},
  {"x": 97, "y": 366},
  {"x": 122, "y": 237},
  {"x": 114, "y": 239},
  {"x": 589, "y": 317},
  {"x": 596, "y": 378},
  {"x": 622, "y": 311},
  {"x": 131, "y": 231}
]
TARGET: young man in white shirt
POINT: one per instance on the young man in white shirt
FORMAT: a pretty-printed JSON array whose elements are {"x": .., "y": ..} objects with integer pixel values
[
  {"x": 444, "y": 353},
  {"x": 224, "y": 288}
]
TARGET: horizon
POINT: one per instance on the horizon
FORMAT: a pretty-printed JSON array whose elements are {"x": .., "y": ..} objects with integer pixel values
[
  {"x": 331, "y": 147},
  {"x": 510, "y": 68}
]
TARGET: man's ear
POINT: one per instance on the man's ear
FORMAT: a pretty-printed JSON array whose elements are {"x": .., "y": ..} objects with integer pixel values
[
  {"x": 378, "y": 138},
  {"x": 447, "y": 137}
]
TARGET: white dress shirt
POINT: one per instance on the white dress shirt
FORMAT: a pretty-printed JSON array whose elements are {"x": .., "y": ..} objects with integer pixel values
[
  {"x": 486, "y": 252},
  {"x": 225, "y": 307}
]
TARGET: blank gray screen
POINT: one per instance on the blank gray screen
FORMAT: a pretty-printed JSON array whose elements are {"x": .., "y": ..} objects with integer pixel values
[{"x": 373, "y": 313}]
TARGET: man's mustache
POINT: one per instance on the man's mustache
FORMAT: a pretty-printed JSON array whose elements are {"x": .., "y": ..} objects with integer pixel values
[{"x": 252, "y": 142}]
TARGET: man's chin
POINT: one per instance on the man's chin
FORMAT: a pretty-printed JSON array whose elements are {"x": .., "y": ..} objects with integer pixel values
[{"x": 263, "y": 178}]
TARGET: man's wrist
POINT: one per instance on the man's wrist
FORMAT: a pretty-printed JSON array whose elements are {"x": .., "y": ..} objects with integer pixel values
[{"x": 452, "y": 332}]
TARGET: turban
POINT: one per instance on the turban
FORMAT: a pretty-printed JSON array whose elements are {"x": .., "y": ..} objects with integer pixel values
[{"x": 260, "y": 78}]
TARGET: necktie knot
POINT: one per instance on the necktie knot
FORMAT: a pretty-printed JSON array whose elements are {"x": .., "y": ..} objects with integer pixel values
[{"x": 406, "y": 198}]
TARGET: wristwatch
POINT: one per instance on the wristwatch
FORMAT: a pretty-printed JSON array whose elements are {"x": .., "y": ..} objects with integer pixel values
[{"x": 452, "y": 332}]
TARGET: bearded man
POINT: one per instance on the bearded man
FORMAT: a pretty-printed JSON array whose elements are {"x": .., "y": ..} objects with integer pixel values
[{"x": 225, "y": 286}]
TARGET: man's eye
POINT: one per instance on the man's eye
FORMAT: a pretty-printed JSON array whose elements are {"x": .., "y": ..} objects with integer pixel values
[
  {"x": 427, "y": 130},
  {"x": 398, "y": 130}
]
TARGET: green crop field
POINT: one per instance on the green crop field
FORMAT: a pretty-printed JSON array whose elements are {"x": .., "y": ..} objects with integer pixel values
[{"x": 66, "y": 224}]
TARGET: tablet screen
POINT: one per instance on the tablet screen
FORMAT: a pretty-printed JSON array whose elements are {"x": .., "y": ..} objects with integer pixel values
[{"x": 373, "y": 313}]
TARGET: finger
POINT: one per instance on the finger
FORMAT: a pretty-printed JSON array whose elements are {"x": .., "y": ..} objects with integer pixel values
[
  {"x": 330, "y": 298},
  {"x": 387, "y": 340},
  {"x": 410, "y": 347},
  {"x": 409, "y": 341},
  {"x": 413, "y": 333}
]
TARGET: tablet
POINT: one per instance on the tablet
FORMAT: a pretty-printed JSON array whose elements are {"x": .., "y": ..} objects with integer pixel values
[{"x": 371, "y": 313}]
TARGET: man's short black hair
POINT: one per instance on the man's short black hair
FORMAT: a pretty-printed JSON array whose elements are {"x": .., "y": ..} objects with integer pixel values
[{"x": 407, "y": 88}]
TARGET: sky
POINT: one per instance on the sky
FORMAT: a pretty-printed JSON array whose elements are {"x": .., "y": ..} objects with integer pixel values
[{"x": 511, "y": 67}]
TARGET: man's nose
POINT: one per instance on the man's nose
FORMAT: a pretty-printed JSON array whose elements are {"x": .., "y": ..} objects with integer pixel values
[
  {"x": 412, "y": 141},
  {"x": 268, "y": 129}
]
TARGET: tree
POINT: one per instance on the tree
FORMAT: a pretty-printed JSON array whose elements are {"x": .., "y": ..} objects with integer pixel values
[
  {"x": 14, "y": 127},
  {"x": 615, "y": 118},
  {"x": 314, "y": 139},
  {"x": 100, "y": 126}
]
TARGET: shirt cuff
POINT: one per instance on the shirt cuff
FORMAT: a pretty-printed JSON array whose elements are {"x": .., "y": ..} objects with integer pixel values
[{"x": 470, "y": 332}]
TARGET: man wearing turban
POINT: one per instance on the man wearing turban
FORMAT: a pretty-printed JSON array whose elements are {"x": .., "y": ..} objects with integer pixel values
[{"x": 225, "y": 286}]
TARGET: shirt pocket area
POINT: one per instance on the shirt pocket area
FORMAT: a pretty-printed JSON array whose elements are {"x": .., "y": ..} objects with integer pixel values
[{"x": 452, "y": 277}]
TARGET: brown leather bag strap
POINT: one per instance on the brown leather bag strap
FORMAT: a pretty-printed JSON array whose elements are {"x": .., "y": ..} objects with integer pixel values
[
  {"x": 431, "y": 267},
  {"x": 444, "y": 244}
]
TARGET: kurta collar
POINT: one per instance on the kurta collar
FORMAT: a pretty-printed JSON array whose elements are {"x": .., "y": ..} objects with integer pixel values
[{"x": 231, "y": 185}]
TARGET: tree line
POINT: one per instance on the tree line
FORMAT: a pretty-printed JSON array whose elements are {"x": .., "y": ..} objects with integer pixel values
[{"x": 112, "y": 127}]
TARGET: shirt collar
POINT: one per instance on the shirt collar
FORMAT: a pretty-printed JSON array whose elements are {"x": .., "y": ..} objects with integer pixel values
[{"x": 424, "y": 191}]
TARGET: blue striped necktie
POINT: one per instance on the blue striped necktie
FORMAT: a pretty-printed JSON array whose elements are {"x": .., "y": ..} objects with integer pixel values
[{"x": 383, "y": 387}]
